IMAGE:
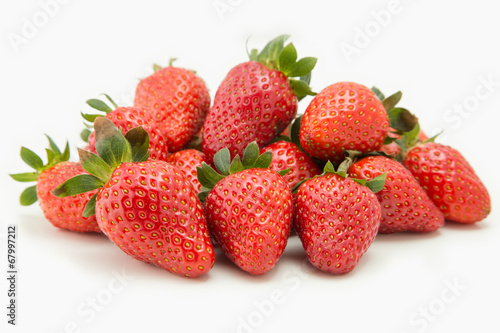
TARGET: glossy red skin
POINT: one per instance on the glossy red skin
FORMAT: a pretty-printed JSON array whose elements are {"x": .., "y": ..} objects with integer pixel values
[
  {"x": 288, "y": 155},
  {"x": 253, "y": 103},
  {"x": 153, "y": 214},
  {"x": 187, "y": 160},
  {"x": 249, "y": 214},
  {"x": 178, "y": 100},
  {"x": 343, "y": 116},
  {"x": 126, "y": 118},
  {"x": 450, "y": 182},
  {"x": 64, "y": 213},
  {"x": 405, "y": 205},
  {"x": 336, "y": 219}
]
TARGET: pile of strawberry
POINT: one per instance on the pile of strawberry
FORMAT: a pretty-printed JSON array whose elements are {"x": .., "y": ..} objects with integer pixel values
[{"x": 175, "y": 176}]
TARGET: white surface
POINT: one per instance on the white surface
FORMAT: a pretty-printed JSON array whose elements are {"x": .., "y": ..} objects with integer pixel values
[{"x": 437, "y": 53}]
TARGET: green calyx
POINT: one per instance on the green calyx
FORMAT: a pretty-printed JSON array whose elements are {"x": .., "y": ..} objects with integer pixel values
[
  {"x": 277, "y": 56},
  {"x": 113, "y": 149},
  {"x": 376, "y": 184},
  {"x": 251, "y": 159},
  {"x": 97, "y": 105},
  {"x": 54, "y": 156},
  {"x": 400, "y": 119}
]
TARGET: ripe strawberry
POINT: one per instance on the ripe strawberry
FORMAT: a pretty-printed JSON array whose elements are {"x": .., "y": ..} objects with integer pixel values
[
  {"x": 248, "y": 208},
  {"x": 343, "y": 116},
  {"x": 126, "y": 118},
  {"x": 405, "y": 205},
  {"x": 64, "y": 213},
  {"x": 187, "y": 161},
  {"x": 450, "y": 182},
  {"x": 147, "y": 208},
  {"x": 257, "y": 101},
  {"x": 336, "y": 219},
  {"x": 288, "y": 155},
  {"x": 178, "y": 100}
]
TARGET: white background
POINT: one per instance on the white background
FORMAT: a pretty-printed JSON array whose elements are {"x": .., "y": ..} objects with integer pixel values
[{"x": 439, "y": 53}]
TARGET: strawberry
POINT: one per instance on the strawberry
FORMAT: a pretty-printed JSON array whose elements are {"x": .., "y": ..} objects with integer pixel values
[
  {"x": 146, "y": 207},
  {"x": 248, "y": 208},
  {"x": 336, "y": 219},
  {"x": 343, "y": 116},
  {"x": 450, "y": 181},
  {"x": 126, "y": 118},
  {"x": 257, "y": 100},
  {"x": 187, "y": 161},
  {"x": 288, "y": 155},
  {"x": 405, "y": 205},
  {"x": 64, "y": 213},
  {"x": 178, "y": 100}
]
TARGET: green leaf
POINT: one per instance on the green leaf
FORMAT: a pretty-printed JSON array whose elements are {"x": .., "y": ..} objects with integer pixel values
[
  {"x": 111, "y": 145},
  {"x": 402, "y": 119},
  {"x": 32, "y": 159},
  {"x": 65, "y": 154},
  {"x": 306, "y": 78},
  {"x": 222, "y": 161},
  {"x": 378, "y": 93},
  {"x": 29, "y": 196},
  {"x": 139, "y": 143},
  {"x": 25, "y": 177},
  {"x": 156, "y": 67},
  {"x": 207, "y": 176},
  {"x": 77, "y": 185},
  {"x": 343, "y": 167},
  {"x": 303, "y": 66},
  {"x": 329, "y": 168},
  {"x": 287, "y": 59},
  {"x": 295, "y": 132},
  {"x": 90, "y": 117},
  {"x": 270, "y": 52},
  {"x": 99, "y": 105},
  {"x": 360, "y": 181},
  {"x": 202, "y": 196},
  {"x": 250, "y": 155},
  {"x": 253, "y": 55},
  {"x": 433, "y": 138},
  {"x": 90, "y": 207},
  {"x": 53, "y": 147},
  {"x": 390, "y": 102},
  {"x": 95, "y": 165},
  {"x": 85, "y": 134},
  {"x": 376, "y": 184},
  {"x": 388, "y": 140},
  {"x": 301, "y": 88},
  {"x": 51, "y": 158},
  {"x": 263, "y": 161},
  {"x": 236, "y": 165},
  {"x": 284, "y": 172},
  {"x": 111, "y": 101}
]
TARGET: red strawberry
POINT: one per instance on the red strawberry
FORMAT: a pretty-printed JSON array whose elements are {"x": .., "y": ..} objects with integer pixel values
[
  {"x": 178, "y": 100},
  {"x": 450, "y": 182},
  {"x": 126, "y": 118},
  {"x": 343, "y": 116},
  {"x": 187, "y": 161},
  {"x": 257, "y": 101},
  {"x": 336, "y": 219},
  {"x": 65, "y": 213},
  {"x": 147, "y": 208},
  {"x": 248, "y": 209},
  {"x": 405, "y": 205},
  {"x": 288, "y": 155}
]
